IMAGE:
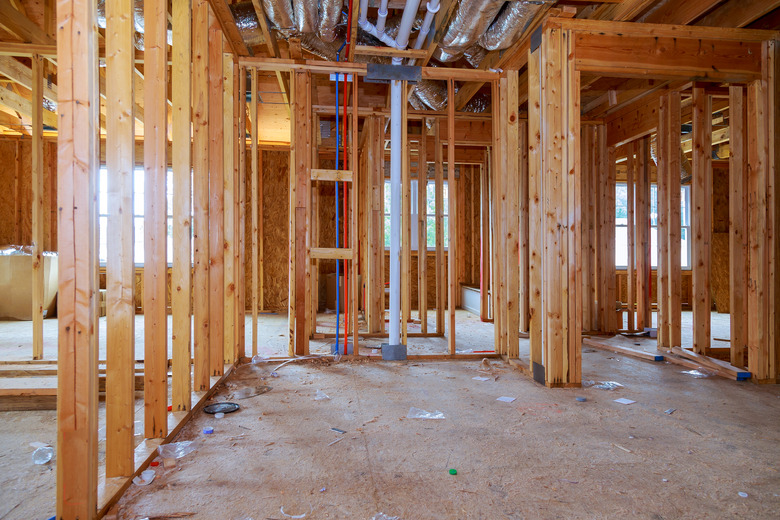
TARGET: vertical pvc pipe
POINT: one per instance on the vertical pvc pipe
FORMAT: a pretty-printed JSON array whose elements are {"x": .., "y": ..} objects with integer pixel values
[
  {"x": 396, "y": 98},
  {"x": 338, "y": 293}
]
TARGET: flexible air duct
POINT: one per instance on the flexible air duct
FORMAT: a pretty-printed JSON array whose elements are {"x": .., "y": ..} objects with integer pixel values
[
  {"x": 280, "y": 13},
  {"x": 246, "y": 21},
  {"x": 472, "y": 20},
  {"x": 330, "y": 15},
  {"x": 686, "y": 170},
  {"x": 509, "y": 25},
  {"x": 307, "y": 17}
]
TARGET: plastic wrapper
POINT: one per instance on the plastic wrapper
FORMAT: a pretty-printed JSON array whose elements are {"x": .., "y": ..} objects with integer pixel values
[
  {"x": 608, "y": 385},
  {"x": 419, "y": 413},
  {"x": 699, "y": 373},
  {"x": 175, "y": 450},
  {"x": 382, "y": 516},
  {"x": 321, "y": 396}
]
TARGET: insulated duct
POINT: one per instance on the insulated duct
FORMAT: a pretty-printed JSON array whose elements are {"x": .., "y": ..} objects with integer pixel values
[
  {"x": 280, "y": 13},
  {"x": 330, "y": 15},
  {"x": 246, "y": 21},
  {"x": 472, "y": 20},
  {"x": 509, "y": 25},
  {"x": 307, "y": 17},
  {"x": 686, "y": 170}
]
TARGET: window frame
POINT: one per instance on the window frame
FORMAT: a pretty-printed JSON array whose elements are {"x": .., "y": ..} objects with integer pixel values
[{"x": 415, "y": 215}]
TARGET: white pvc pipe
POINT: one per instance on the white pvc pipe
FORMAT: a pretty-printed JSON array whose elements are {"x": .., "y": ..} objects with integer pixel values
[
  {"x": 381, "y": 17},
  {"x": 407, "y": 20},
  {"x": 363, "y": 12},
  {"x": 433, "y": 7},
  {"x": 396, "y": 100}
]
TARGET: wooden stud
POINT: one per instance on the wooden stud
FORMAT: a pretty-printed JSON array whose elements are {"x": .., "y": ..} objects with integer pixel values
[
  {"x": 674, "y": 277},
  {"x": 422, "y": 227},
  {"x": 256, "y": 202},
  {"x": 229, "y": 213},
  {"x": 406, "y": 227},
  {"x": 182, "y": 207},
  {"x": 155, "y": 221},
  {"x": 642, "y": 216},
  {"x": 77, "y": 174},
  {"x": 240, "y": 172},
  {"x": 200, "y": 193},
  {"x": 452, "y": 214},
  {"x": 260, "y": 216},
  {"x": 498, "y": 263},
  {"x": 300, "y": 182},
  {"x": 37, "y": 207},
  {"x": 439, "y": 187},
  {"x": 663, "y": 226},
  {"x": 510, "y": 193},
  {"x": 354, "y": 161},
  {"x": 535, "y": 235},
  {"x": 216, "y": 202},
  {"x": 701, "y": 218},
  {"x": 523, "y": 280},
  {"x": 631, "y": 230},
  {"x": 120, "y": 267}
]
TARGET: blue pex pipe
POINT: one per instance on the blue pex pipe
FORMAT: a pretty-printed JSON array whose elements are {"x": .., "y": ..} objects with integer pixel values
[{"x": 338, "y": 262}]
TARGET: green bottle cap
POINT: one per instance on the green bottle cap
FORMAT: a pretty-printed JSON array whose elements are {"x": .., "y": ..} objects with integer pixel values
[{"x": 453, "y": 471}]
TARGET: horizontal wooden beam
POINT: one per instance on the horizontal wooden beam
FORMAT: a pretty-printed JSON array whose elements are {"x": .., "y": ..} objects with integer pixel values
[
  {"x": 668, "y": 57},
  {"x": 370, "y": 50},
  {"x": 22, "y": 74},
  {"x": 17, "y": 23},
  {"x": 331, "y": 175},
  {"x": 19, "y": 104},
  {"x": 331, "y": 253},
  {"x": 640, "y": 30},
  {"x": 360, "y": 69},
  {"x": 27, "y": 50}
]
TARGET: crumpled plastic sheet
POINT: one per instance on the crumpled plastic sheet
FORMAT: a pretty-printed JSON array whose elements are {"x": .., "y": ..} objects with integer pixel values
[
  {"x": 419, "y": 413},
  {"x": 176, "y": 450},
  {"x": 382, "y": 516},
  {"x": 602, "y": 385},
  {"x": 699, "y": 374}
]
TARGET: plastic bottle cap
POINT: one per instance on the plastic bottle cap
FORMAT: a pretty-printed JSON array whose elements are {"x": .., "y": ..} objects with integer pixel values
[
  {"x": 453, "y": 471},
  {"x": 154, "y": 463},
  {"x": 170, "y": 408},
  {"x": 208, "y": 430}
]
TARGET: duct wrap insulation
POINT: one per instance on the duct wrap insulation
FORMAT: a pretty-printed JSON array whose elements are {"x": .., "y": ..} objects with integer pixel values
[
  {"x": 307, "y": 15},
  {"x": 247, "y": 23},
  {"x": 280, "y": 13},
  {"x": 138, "y": 22},
  {"x": 472, "y": 19},
  {"x": 686, "y": 170},
  {"x": 509, "y": 25}
]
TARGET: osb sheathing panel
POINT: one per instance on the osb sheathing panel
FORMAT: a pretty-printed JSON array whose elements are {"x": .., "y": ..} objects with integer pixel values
[
  {"x": 16, "y": 192},
  {"x": 719, "y": 282},
  {"x": 430, "y": 274},
  {"x": 275, "y": 200}
]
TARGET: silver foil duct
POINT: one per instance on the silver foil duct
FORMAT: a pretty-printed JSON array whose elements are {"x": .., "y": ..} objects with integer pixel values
[
  {"x": 280, "y": 13},
  {"x": 478, "y": 104},
  {"x": 307, "y": 16},
  {"x": 509, "y": 25},
  {"x": 247, "y": 23},
  {"x": 415, "y": 101},
  {"x": 330, "y": 15},
  {"x": 474, "y": 55},
  {"x": 472, "y": 20},
  {"x": 686, "y": 170},
  {"x": 432, "y": 93}
]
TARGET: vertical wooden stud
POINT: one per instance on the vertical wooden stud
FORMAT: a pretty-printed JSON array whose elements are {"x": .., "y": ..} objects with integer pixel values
[
  {"x": 77, "y": 172},
  {"x": 452, "y": 214},
  {"x": 422, "y": 227},
  {"x": 182, "y": 206},
  {"x": 37, "y": 206},
  {"x": 229, "y": 212},
  {"x": 200, "y": 192},
  {"x": 216, "y": 202},
  {"x": 631, "y": 229},
  {"x": 120, "y": 267},
  {"x": 155, "y": 221},
  {"x": 701, "y": 217},
  {"x": 439, "y": 180},
  {"x": 256, "y": 203}
]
